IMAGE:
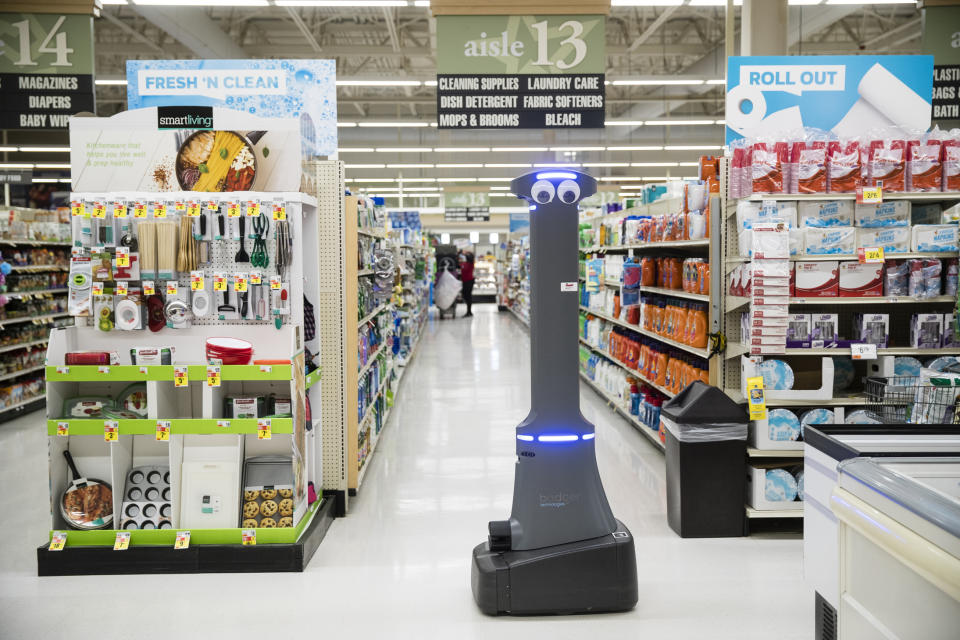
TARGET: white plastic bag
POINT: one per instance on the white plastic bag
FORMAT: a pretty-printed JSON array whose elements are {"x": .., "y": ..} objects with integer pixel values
[{"x": 447, "y": 289}]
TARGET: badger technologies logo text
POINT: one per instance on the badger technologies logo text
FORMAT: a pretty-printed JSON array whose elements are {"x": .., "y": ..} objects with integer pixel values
[
  {"x": 559, "y": 499},
  {"x": 185, "y": 117}
]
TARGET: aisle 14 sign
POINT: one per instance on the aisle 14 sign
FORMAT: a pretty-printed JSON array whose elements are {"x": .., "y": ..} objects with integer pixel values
[
  {"x": 46, "y": 69},
  {"x": 520, "y": 72}
]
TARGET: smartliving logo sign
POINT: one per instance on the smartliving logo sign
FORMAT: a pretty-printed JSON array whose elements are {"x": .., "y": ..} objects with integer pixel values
[{"x": 185, "y": 117}]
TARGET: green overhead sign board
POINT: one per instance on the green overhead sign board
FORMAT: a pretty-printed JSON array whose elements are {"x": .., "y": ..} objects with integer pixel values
[
  {"x": 516, "y": 72},
  {"x": 941, "y": 38},
  {"x": 466, "y": 206}
]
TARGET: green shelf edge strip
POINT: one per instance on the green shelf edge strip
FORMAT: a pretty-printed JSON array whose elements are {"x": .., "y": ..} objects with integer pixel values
[
  {"x": 166, "y": 537},
  {"x": 313, "y": 378},
  {"x": 196, "y": 373},
  {"x": 92, "y": 427}
]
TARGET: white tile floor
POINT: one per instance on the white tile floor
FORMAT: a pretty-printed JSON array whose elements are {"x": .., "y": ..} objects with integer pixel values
[{"x": 399, "y": 565}]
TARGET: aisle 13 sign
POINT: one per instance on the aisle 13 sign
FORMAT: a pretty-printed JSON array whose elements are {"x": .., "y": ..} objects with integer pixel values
[
  {"x": 46, "y": 69},
  {"x": 520, "y": 72}
]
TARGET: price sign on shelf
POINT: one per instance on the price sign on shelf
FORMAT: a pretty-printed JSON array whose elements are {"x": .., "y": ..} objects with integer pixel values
[
  {"x": 240, "y": 282},
  {"x": 863, "y": 351},
  {"x": 870, "y": 195},
  {"x": 63, "y": 428},
  {"x": 255, "y": 277},
  {"x": 58, "y": 541},
  {"x": 219, "y": 282},
  {"x": 253, "y": 209},
  {"x": 122, "y": 541},
  {"x": 196, "y": 280},
  {"x": 77, "y": 209},
  {"x": 123, "y": 256},
  {"x": 279, "y": 212},
  {"x": 139, "y": 210},
  {"x": 223, "y": 424},
  {"x": 263, "y": 429},
  {"x": 111, "y": 430},
  {"x": 181, "y": 377},
  {"x": 213, "y": 377},
  {"x": 179, "y": 206},
  {"x": 119, "y": 210},
  {"x": 870, "y": 254},
  {"x": 233, "y": 210},
  {"x": 163, "y": 430},
  {"x": 182, "y": 541},
  {"x": 97, "y": 288},
  {"x": 159, "y": 210},
  {"x": 276, "y": 283},
  {"x": 193, "y": 209},
  {"x": 121, "y": 288},
  {"x": 248, "y": 537},
  {"x": 99, "y": 210},
  {"x": 148, "y": 288},
  {"x": 173, "y": 287}
]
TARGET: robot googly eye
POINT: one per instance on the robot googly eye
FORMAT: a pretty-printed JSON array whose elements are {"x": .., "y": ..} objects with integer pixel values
[
  {"x": 542, "y": 191},
  {"x": 568, "y": 191}
]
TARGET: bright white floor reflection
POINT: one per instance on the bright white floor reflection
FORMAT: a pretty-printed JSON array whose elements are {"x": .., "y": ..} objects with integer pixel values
[{"x": 399, "y": 565}]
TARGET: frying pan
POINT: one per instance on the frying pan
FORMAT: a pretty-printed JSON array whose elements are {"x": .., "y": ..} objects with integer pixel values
[{"x": 87, "y": 503}]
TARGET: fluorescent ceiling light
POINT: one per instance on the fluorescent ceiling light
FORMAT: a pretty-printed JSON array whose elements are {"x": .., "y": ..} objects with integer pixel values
[
  {"x": 646, "y": 3},
  {"x": 494, "y": 237},
  {"x": 693, "y": 147},
  {"x": 416, "y": 180},
  {"x": 378, "y": 83},
  {"x": 713, "y": 3},
  {"x": 646, "y": 148},
  {"x": 631, "y": 187},
  {"x": 398, "y": 123},
  {"x": 364, "y": 166},
  {"x": 507, "y": 165},
  {"x": 655, "y": 164},
  {"x": 718, "y": 80},
  {"x": 429, "y": 83},
  {"x": 871, "y": 2},
  {"x": 653, "y": 82},
  {"x": 606, "y": 164},
  {"x": 474, "y": 236},
  {"x": 672, "y": 122},
  {"x": 501, "y": 194},
  {"x": 113, "y": 2},
  {"x": 404, "y": 149},
  {"x": 689, "y": 164},
  {"x": 500, "y": 188},
  {"x": 370, "y": 180},
  {"x": 340, "y": 3},
  {"x": 46, "y": 149},
  {"x": 509, "y": 209},
  {"x": 16, "y": 165},
  {"x": 7, "y": 149},
  {"x": 804, "y": 2},
  {"x": 423, "y": 195},
  {"x": 410, "y": 166},
  {"x": 620, "y": 178},
  {"x": 721, "y": 122},
  {"x": 109, "y": 82},
  {"x": 461, "y": 149},
  {"x": 381, "y": 189},
  {"x": 346, "y": 124},
  {"x": 45, "y": 179},
  {"x": 490, "y": 179},
  {"x": 203, "y": 3},
  {"x": 356, "y": 150},
  {"x": 52, "y": 165},
  {"x": 420, "y": 188},
  {"x": 556, "y": 164},
  {"x": 520, "y": 149},
  {"x": 448, "y": 165},
  {"x": 458, "y": 179},
  {"x": 577, "y": 148},
  {"x": 623, "y": 123}
]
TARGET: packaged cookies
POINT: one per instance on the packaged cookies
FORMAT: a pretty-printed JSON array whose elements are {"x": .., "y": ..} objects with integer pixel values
[{"x": 268, "y": 493}]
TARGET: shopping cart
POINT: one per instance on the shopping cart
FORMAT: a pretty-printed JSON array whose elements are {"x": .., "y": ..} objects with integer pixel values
[
  {"x": 914, "y": 399},
  {"x": 447, "y": 262}
]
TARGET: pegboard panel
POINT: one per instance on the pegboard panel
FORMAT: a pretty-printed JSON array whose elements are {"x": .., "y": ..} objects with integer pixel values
[{"x": 331, "y": 262}]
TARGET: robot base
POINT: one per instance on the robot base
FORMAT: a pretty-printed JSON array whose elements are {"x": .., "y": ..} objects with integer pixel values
[{"x": 590, "y": 576}]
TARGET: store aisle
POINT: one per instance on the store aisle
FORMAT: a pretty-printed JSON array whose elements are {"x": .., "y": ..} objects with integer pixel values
[{"x": 399, "y": 565}]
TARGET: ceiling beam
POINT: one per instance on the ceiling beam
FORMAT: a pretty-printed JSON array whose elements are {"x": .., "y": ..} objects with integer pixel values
[
  {"x": 302, "y": 26},
  {"x": 654, "y": 26},
  {"x": 133, "y": 33},
  {"x": 194, "y": 28}
]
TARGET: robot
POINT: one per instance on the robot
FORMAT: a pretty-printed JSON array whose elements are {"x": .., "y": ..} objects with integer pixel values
[{"x": 562, "y": 551}]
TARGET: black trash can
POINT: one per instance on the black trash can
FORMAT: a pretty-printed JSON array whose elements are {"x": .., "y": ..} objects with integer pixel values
[{"x": 706, "y": 435}]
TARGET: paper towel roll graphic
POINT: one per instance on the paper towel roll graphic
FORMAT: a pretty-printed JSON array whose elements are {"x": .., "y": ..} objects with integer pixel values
[
  {"x": 741, "y": 117},
  {"x": 884, "y": 101}
]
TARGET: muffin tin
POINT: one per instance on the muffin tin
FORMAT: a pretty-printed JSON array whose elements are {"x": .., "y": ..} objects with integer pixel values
[{"x": 146, "y": 499}]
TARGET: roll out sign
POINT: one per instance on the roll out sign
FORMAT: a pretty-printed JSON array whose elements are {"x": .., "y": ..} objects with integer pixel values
[{"x": 845, "y": 95}]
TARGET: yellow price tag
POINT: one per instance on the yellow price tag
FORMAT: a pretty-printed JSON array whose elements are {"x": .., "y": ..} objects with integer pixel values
[
  {"x": 219, "y": 282},
  {"x": 160, "y": 211},
  {"x": 121, "y": 288},
  {"x": 279, "y": 212},
  {"x": 123, "y": 257},
  {"x": 871, "y": 195},
  {"x": 276, "y": 283},
  {"x": 870, "y": 254},
  {"x": 240, "y": 282},
  {"x": 99, "y": 210},
  {"x": 196, "y": 281},
  {"x": 148, "y": 288},
  {"x": 58, "y": 541},
  {"x": 182, "y": 541},
  {"x": 111, "y": 430},
  {"x": 181, "y": 377},
  {"x": 77, "y": 209},
  {"x": 119, "y": 210},
  {"x": 122, "y": 541},
  {"x": 233, "y": 210},
  {"x": 248, "y": 537},
  {"x": 193, "y": 209},
  {"x": 256, "y": 278},
  {"x": 63, "y": 428},
  {"x": 139, "y": 210},
  {"x": 173, "y": 288},
  {"x": 163, "y": 430},
  {"x": 97, "y": 288},
  {"x": 213, "y": 376},
  {"x": 755, "y": 400},
  {"x": 223, "y": 424},
  {"x": 264, "y": 429},
  {"x": 253, "y": 209},
  {"x": 179, "y": 206}
]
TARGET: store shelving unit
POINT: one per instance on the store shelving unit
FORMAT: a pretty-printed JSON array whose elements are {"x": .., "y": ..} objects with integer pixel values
[
  {"x": 899, "y": 308},
  {"x": 485, "y": 280},
  {"x": 205, "y": 449}
]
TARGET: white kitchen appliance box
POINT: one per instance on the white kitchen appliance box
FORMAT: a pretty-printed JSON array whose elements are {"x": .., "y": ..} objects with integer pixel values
[
  {"x": 860, "y": 280},
  {"x": 817, "y": 279}
]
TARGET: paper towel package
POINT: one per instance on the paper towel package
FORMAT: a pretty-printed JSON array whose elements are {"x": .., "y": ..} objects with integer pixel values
[
  {"x": 891, "y": 239},
  {"x": 832, "y": 213},
  {"x": 860, "y": 280},
  {"x": 817, "y": 279},
  {"x": 873, "y": 328},
  {"x": 935, "y": 237},
  {"x": 926, "y": 330},
  {"x": 894, "y": 213},
  {"x": 828, "y": 241}
]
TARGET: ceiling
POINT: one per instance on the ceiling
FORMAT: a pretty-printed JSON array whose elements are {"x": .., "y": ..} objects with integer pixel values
[{"x": 645, "y": 45}]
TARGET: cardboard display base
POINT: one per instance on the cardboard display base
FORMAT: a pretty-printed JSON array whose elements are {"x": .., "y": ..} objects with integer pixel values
[{"x": 228, "y": 558}]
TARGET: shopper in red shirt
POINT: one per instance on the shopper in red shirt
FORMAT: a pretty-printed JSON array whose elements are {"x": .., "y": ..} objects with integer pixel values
[{"x": 466, "y": 276}]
